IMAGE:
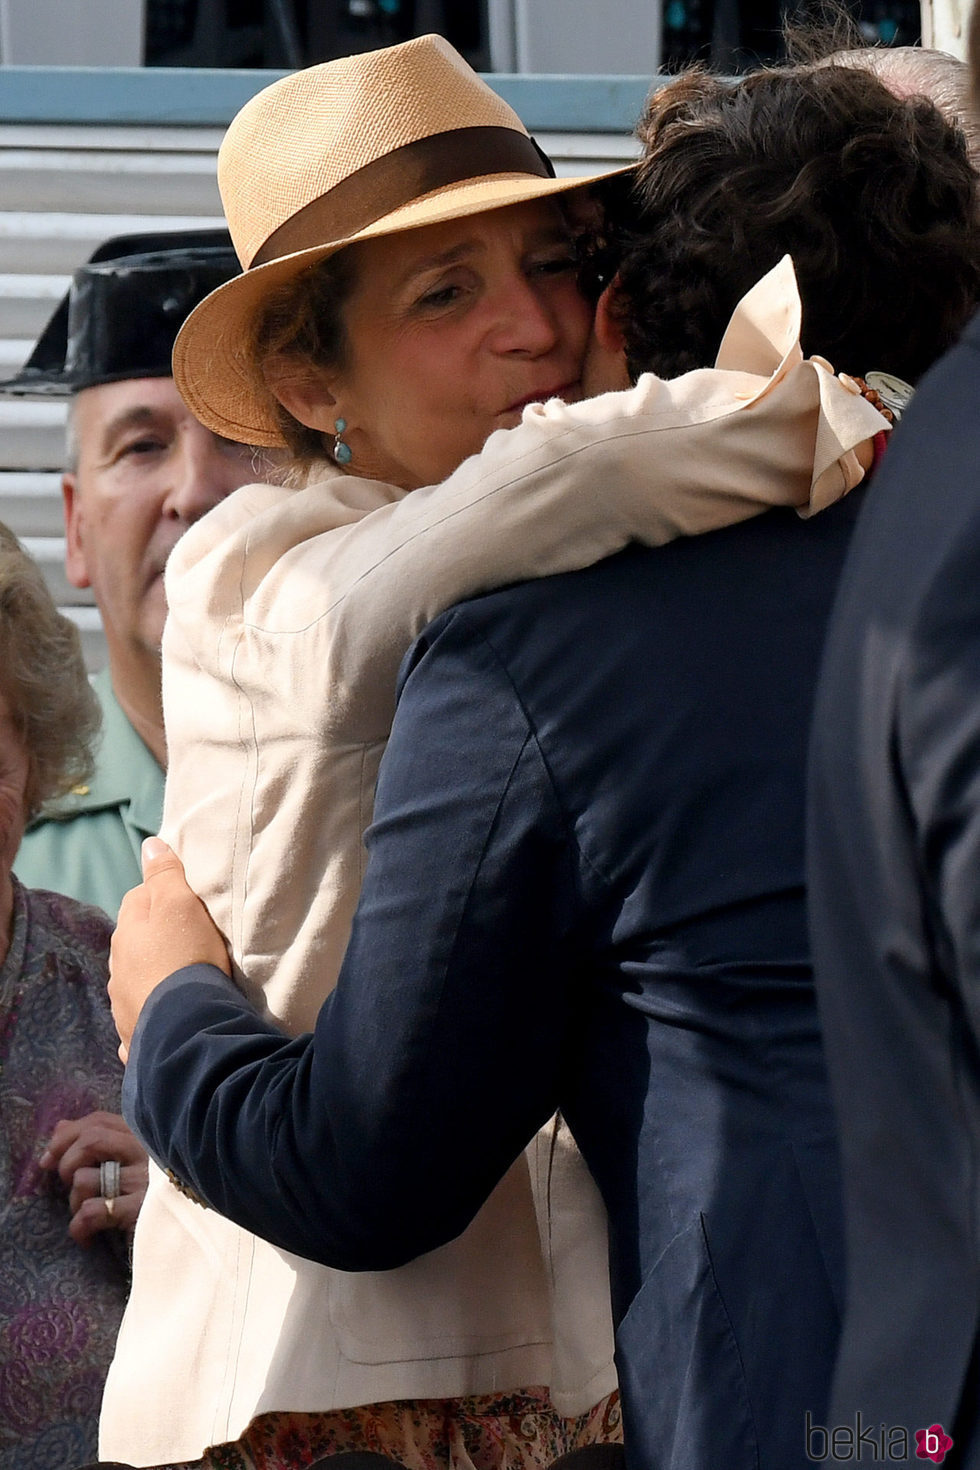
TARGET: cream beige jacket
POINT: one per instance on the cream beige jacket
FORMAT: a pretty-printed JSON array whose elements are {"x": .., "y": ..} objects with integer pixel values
[{"x": 289, "y": 614}]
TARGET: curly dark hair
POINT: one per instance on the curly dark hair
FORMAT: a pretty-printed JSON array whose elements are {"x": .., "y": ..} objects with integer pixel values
[{"x": 873, "y": 197}]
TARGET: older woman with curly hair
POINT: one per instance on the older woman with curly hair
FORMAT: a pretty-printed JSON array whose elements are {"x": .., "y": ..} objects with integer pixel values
[{"x": 71, "y": 1173}]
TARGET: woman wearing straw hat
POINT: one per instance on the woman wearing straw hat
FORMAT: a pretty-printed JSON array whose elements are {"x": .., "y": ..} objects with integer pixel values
[{"x": 409, "y": 289}]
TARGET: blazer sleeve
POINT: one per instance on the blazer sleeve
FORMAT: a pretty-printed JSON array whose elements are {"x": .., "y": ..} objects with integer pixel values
[
  {"x": 570, "y": 485},
  {"x": 575, "y": 483},
  {"x": 439, "y": 1054}
]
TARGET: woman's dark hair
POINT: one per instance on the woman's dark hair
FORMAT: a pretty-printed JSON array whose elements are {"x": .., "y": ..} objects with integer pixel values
[
  {"x": 304, "y": 321},
  {"x": 873, "y": 197}
]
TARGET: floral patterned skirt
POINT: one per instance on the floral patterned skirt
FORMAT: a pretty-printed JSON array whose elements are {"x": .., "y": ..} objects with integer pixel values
[{"x": 514, "y": 1431}]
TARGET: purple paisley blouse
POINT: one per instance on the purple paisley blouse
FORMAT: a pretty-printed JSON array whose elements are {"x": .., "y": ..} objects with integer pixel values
[{"x": 60, "y": 1305}]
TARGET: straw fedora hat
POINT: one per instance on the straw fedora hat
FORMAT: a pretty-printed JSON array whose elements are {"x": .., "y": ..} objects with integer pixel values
[{"x": 363, "y": 146}]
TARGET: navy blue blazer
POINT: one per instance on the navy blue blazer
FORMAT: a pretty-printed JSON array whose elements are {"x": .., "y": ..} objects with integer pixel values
[
  {"x": 895, "y": 854},
  {"x": 585, "y": 891}
]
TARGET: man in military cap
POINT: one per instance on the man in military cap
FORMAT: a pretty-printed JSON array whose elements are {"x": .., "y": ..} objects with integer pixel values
[{"x": 140, "y": 469}]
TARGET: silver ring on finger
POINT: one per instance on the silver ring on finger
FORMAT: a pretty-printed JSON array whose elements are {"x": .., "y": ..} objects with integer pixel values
[{"x": 110, "y": 1181}]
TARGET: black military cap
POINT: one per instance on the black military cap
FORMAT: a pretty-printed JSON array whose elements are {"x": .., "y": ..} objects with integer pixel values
[{"x": 123, "y": 311}]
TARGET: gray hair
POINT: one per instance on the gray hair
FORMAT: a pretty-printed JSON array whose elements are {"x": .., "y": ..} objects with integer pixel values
[
  {"x": 43, "y": 679},
  {"x": 914, "y": 71},
  {"x": 71, "y": 439}
]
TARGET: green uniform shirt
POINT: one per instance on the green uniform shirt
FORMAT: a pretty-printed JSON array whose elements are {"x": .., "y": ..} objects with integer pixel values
[{"x": 88, "y": 846}]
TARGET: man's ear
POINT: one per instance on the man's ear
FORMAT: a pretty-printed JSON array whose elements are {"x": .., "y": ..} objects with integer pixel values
[
  {"x": 608, "y": 331},
  {"x": 76, "y": 569},
  {"x": 302, "y": 391},
  {"x": 604, "y": 369}
]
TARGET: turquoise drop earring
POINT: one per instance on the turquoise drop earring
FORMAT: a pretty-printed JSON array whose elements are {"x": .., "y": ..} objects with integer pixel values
[{"x": 341, "y": 451}]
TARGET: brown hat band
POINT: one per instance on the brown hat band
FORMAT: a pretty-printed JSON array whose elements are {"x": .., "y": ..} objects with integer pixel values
[{"x": 401, "y": 177}]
